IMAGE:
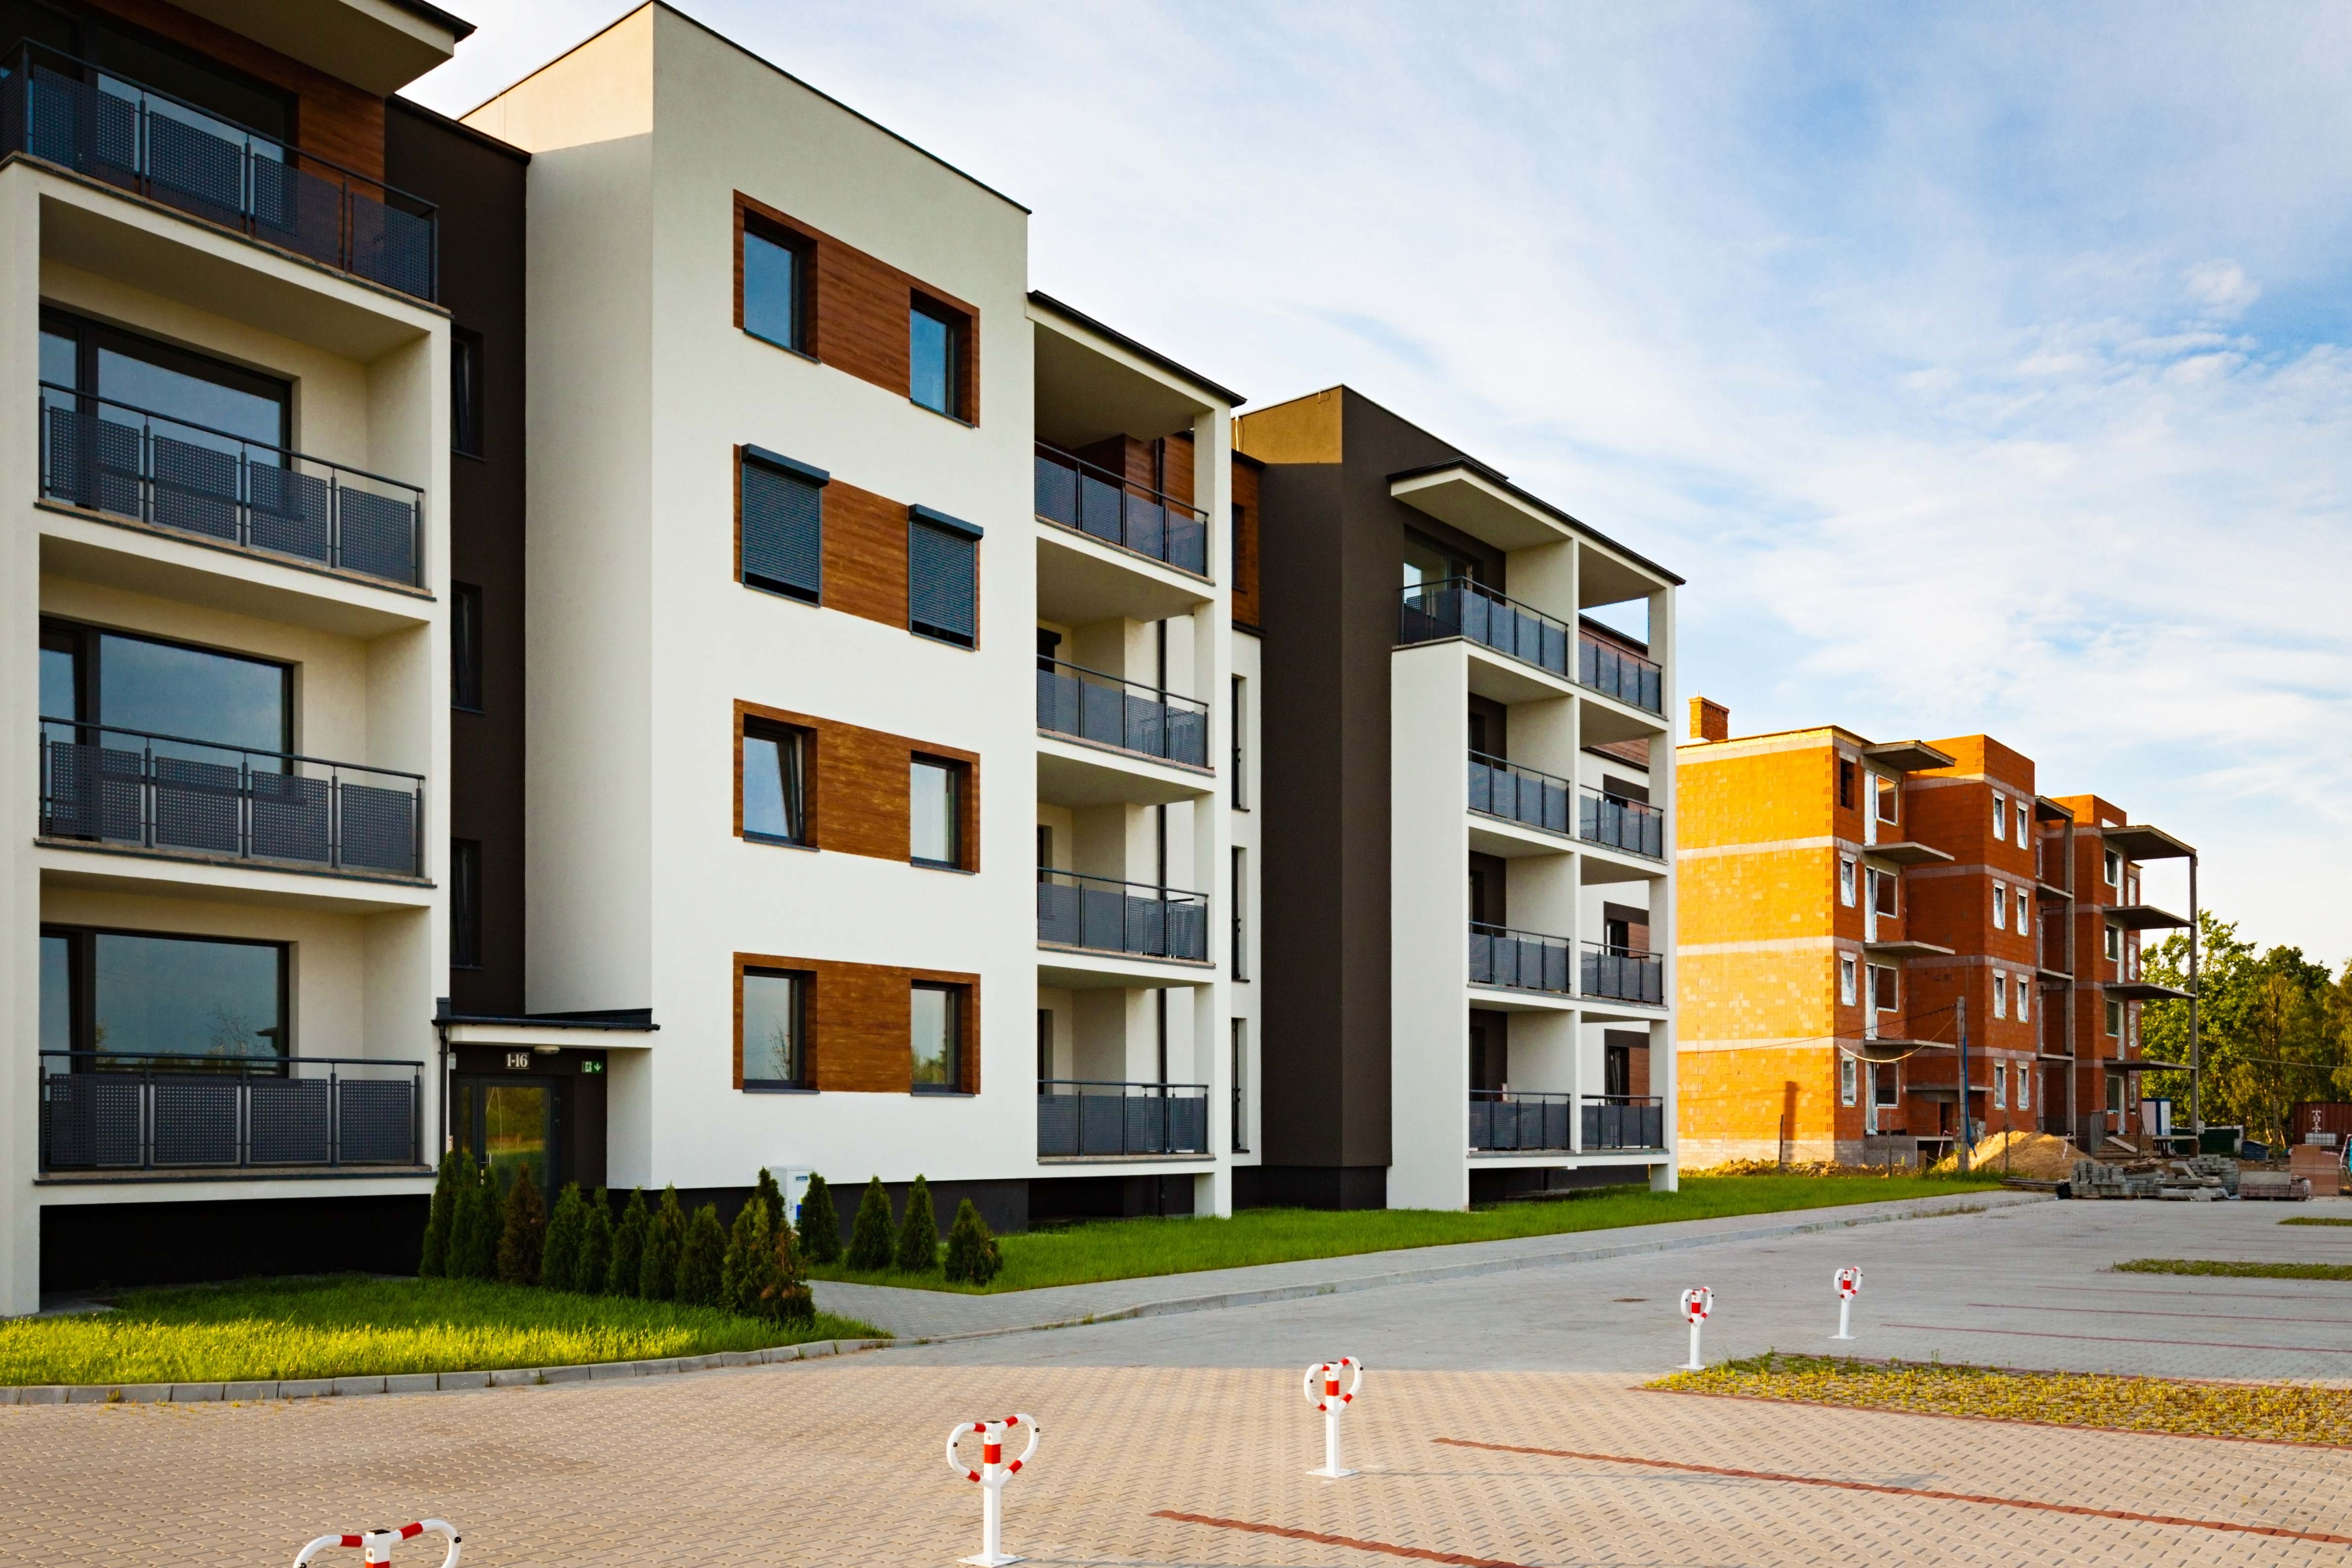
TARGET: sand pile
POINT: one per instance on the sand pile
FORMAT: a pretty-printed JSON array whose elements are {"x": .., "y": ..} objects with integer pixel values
[{"x": 2036, "y": 1156}]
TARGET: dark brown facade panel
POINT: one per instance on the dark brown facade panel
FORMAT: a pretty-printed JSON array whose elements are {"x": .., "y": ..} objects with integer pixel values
[
  {"x": 859, "y": 1019},
  {"x": 855, "y": 795},
  {"x": 1244, "y": 524}
]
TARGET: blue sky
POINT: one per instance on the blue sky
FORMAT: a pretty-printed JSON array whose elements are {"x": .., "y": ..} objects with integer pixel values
[{"x": 1982, "y": 367}]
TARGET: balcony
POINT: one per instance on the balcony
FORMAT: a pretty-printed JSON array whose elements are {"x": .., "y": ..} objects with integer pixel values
[
  {"x": 1116, "y": 510},
  {"x": 1624, "y": 1121},
  {"x": 1089, "y": 705},
  {"x": 1504, "y": 1120},
  {"x": 105, "y": 1112},
  {"x": 1623, "y": 974},
  {"x": 129, "y": 788},
  {"x": 150, "y": 468},
  {"x": 1457, "y": 607},
  {"x": 1097, "y": 914},
  {"x": 94, "y": 123},
  {"x": 1080, "y": 1119},
  {"x": 1525, "y": 795},
  {"x": 1519, "y": 960}
]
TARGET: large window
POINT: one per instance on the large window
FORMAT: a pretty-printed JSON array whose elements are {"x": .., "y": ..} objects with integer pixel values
[
  {"x": 935, "y": 1036},
  {"x": 124, "y": 997},
  {"x": 465, "y": 903},
  {"x": 935, "y": 789},
  {"x": 775, "y": 783},
  {"x": 778, "y": 267},
  {"x": 775, "y": 1008},
  {"x": 466, "y": 647},
  {"x": 781, "y": 506},
  {"x": 936, "y": 347},
  {"x": 143, "y": 684},
  {"x": 213, "y": 405},
  {"x": 942, "y": 577}
]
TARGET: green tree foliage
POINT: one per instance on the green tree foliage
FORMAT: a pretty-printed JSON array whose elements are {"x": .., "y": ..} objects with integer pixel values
[
  {"x": 665, "y": 1244},
  {"x": 765, "y": 1190},
  {"x": 567, "y": 1227},
  {"x": 820, "y": 1226},
  {"x": 749, "y": 1281},
  {"x": 2274, "y": 1028},
  {"x": 702, "y": 1260},
  {"x": 870, "y": 1244},
  {"x": 447, "y": 1186},
  {"x": 795, "y": 1304},
  {"x": 917, "y": 1251},
  {"x": 972, "y": 1255},
  {"x": 523, "y": 1235},
  {"x": 627, "y": 1273},
  {"x": 484, "y": 1227},
  {"x": 595, "y": 1270}
]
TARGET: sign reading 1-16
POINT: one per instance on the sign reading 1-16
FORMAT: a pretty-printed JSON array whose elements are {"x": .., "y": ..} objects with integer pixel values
[{"x": 518, "y": 1059}]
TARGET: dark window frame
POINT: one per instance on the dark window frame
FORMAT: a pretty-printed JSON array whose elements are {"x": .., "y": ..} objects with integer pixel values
[
  {"x": 1845, "y": 773},
  {"x": 465, "y": 903},
  {"x": 82, "y": 1005},
  {"x": 801, "y": 247},
  {"x": 466, "y": 421},
  {"x": 803, "y": 743},
  {"x": 921, "y": 519},
  {"x": 958, "y": 777},
  {"x": 90, "y": 675},
  {"x": 804, "y": 1011},
  {"x": 466, "y": 647},
  {"x": 958, "y": 322},
  {"x": 792, "y": 470},
  {"x": 959, "y": 995},
  {"x": 90, "y": 334}
]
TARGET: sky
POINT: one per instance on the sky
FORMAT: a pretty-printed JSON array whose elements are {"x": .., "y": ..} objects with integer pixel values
[{"x": 1983, "y": 368}]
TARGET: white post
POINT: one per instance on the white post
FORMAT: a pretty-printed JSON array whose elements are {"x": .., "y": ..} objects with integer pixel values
[
  {"x": 1698, "y": 1302},
  {"x": 1849, "y": 1285},
  {"x": 1323, "y": 1392},
  {"x": 991, "y": 1475},
  {"x": 1695, "y": 1363}
]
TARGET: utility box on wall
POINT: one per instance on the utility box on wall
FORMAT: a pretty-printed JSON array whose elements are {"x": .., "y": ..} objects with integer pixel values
[{"x": 793, "y": 1180}]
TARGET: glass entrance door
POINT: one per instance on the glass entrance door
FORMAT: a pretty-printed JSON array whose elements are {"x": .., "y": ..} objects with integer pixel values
[{"x": 508, "y": 1124}]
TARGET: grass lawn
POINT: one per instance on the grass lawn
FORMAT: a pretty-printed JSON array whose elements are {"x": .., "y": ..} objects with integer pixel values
[
  {"x": 348, "y": 1325},
  {"x": 1131, "y": 1248},
  {"x": 2312, "y": 1219},
  {"x": 2278, "y": 1413},
  {"x": 2236, "y": 1271}
]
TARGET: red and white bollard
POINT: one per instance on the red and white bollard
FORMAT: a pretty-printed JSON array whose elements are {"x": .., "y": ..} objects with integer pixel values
[
  {"x": 1849, "y": 1286},
  {"x": 1324, "y": 1393},
  {"x": 375, "y": 1545},
  {"x": 1696, "y": 1303},
  {"x": 993, "y": 1472}
]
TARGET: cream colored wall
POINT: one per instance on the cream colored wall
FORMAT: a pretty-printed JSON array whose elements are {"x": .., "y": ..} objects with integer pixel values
[{"x": 1429, "y": 918}]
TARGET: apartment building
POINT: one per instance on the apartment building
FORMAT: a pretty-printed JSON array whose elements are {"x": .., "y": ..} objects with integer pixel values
[
  {"x": 1856, "y": 912},
  {"x": 1466, "y": 983}
]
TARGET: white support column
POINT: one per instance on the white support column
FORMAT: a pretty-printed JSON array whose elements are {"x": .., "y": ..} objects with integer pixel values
[
  {"x": 1212, "y": 673},
  {"x": 1665, "y": 1071},
  {"x": 20, "y": 880}
]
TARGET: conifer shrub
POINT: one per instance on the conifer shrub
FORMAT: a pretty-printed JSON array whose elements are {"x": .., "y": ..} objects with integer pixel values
[
  {"x": 482, "y": 1236},
  {"x": 917, "y": 1251},
  {"x": 973, "y": 1257},
  {"x": 665, "y": 1244},
  {"x": 765, "y": 1190},
  {"x": 750, "y": 1281},
  {"x": 438, "y": 1220},
  {"x": 870, "y": 1245},
  {"x": 596, "y": 1266},
  {"x": 820, "y": 1225},
  {"x": 567, "y": 1227},
  {"x": 522, "y": 1236},
  {"x": 702, "y": 1260},
  {"x": 627, "y": 1270},
  {"x": 795, "y": 1304}
]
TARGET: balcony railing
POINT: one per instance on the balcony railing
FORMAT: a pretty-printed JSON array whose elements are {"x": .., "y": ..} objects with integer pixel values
[
  {"x": 136, "y": 463},
  {"x": 1502, "y": 1119},
  {"x": 95, "y": 123},
  {"x": 1116, "y": 510},
  {"x": 1457, "y": 607},
  {"x": 1633, "y": 826},
  {"x": 1519, "y": 960},
  {"x": 1623, "y": 974},
  {"x": 111, "y": 1110},
  {"x": 1624, "y": 1121},
  {"x": 1081, "y": 1117},
  {"x": 130, "y": 787},
  {"x": 1102, "y": 915},
  {"x": 1092, "y": 706},
  {"x": 1521, "y": 794}
]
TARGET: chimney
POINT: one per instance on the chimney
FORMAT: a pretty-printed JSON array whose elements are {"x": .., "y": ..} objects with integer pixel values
[{"x": 1709, "y": 720}]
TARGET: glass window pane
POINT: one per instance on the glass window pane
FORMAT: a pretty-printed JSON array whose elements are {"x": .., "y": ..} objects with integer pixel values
[
  {"x": 166, "y": 995},
  {"x": 764, "y": 788},
  {"x": 56, "y": 997},
  {"x": 931, "y": 803},
  {"x": 933, "y": 1037},
  {"x": 168, "y": 690},
  {"x": 60, "y": 685},
  {"x": 771, "y": 291},
  {"x": 931, "y": 353},
  {"x": 173, "y": 387},
  {"x": 59, "y": 362},
  {"x": 771, "y": 1028},
  {"x": 514, "y": 1132}
]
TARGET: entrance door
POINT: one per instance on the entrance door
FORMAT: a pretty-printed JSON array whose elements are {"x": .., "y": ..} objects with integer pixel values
[{"x": 508, "y": 1124}]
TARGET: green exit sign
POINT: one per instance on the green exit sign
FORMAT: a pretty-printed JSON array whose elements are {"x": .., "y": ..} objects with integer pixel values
[{"x": 591, "y": 1065}]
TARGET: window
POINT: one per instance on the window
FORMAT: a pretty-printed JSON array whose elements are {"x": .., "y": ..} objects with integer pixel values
[
  {"x": 778, "y": 267},
  {"x": 466, "y": 647},
  {"x": 775, "y": 783},
  {"x": 1846, "y": 784},
  {"x": 1240, "y": 521},
  {"x": 1846, "y": 881},
  {"x": 464, "y": 392},
  {"x": 935, "y": 355},
  {"x": 465, "y": 903},
  {"x": 2115, "y": 1094},
  {"x": 942, "y": 577},
  {"x": 1044, "y": 1045},
  {"x": 1886, "y": 799},
  {"x": 779, "y": 508},
  {"x": 142, "y": 685},
  {"x": 2000, "y": 995},
  {"x": 1846, "y": 981},
  {"x": 1999, "y": 906},
  {"x": 2024, "y": 985},
  {"x": 1882, "y": 892},
  {"x": 935, "y": 813},
  {"x": 2114, "y": 869},
  {"x": 774, "y": 1040},
  {"x": 1883, "y": 993},
  {"x": 2114, "y": 944},
  {"x": 2114, "y": 1019},
  {"x": 1238, "y": 720},
  {"x": 1241, "y": 902},
  {"x": 1846, "y": 1076},
  {"x": 1887, "y": 1084},
  {"x": 2001, "y": 1085},
  {"x": 935, "y": 1036},
  {"x": 2001, "y": 819},
  {"x": 2025, "y": 834},
  {"x": 233, "y": 405},
  {"x": 131, "y": 996},
  {"x": 2024, "y": 1079},
  {"x": 1241, "y": 1086},
  {"x": 2024, "y": 897}
]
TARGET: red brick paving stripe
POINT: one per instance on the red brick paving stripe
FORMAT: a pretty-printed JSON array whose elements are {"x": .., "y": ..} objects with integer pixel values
[
  {"x": 2118, "y": 1338},
  {"x": 2034, "y": 1503},
  {"x": 1419, "y": 1554}
]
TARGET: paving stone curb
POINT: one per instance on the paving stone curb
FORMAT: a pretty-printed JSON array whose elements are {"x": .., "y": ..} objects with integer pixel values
[
  {"x": 413, "y": 1381},
  {"x": 1227, "y": 1298}
]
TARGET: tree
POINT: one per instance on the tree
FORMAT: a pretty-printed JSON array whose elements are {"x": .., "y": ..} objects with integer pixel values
[
  {"x": 665, "y": 1244},
  {"x": 567, "y": 1227},
  {"x": 972, "y": 1255},
  {"x": 917, "y": 1251},
  {"x": 765, "y": 1190},
  {"x": 626, "y": 1274},
  {"x": 595, "y": 1267},
  {"x": 2275, "y": 1028},
  {"x": 795, "y": 1304},
  {"x": 869, "y": 1234},
  {"x": 523, "y": 1236},
  {"x": 702, "y": 1260},
  {"x": 749, "y": 1281},
  {"x": 446, "y": 1184},
  {"x": 483, "y": 1228},
  {"x": 820, "y": 1224}
]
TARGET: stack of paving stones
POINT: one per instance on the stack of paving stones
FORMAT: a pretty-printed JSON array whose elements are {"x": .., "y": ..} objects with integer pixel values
[
  {"x": 2281, "y": 1185},
  {"x": 2221, "y": 1167}
]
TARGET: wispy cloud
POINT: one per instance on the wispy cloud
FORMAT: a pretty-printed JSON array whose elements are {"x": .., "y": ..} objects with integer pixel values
[{"x": 1983, "y": 367}]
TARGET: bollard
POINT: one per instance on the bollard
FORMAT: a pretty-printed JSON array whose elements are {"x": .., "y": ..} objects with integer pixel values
[
  {"x": 1696, "y": 1303},
  {"x": 1849, "y": 1286},
  {"x": 993, "y": 1474},
  {"x": 375, "y": 1545},
  {"x": 1323, "y": 1392}
]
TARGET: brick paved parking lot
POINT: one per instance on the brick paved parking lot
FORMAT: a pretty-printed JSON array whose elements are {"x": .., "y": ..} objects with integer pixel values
[{"x": 1204, "y": 1461}]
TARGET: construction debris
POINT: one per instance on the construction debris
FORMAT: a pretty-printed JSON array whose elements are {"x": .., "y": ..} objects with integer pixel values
[
  {"x": 2028, "y": 1156},
  {"x": 2283, "y": 1186}
]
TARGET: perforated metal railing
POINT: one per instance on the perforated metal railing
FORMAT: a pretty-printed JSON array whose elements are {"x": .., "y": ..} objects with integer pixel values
[
  {"x": 114, "y": 1111},
  {"x": 1077, "y": 1117},
  {"x": 1105, "y": 915}
]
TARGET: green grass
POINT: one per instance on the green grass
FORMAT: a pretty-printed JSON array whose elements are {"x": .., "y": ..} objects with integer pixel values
[
  {"x": 2310, "y": 1219},
  {"x": 1133, "y": 1249},
  {"x": 347, "y": 1326},
  {"x": 2236, "y": 1271}
]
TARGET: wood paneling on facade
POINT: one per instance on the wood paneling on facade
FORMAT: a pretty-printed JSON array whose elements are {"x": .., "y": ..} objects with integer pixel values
[
  {"x": 859, "y": 1022},
  {"x": 856, "y": 796},
  {"x": 866, "y": 555},
  {"x": 1245, "y": 544}
]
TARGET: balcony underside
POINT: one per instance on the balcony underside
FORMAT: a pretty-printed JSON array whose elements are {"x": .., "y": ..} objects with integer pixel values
[
  {"x": 1082, "y": 580},
  {"x": 163, "y": 873},
  {"x": 1087, "y": 969},
  {"x": 1077, "y": 773},
  {"x": 1561, "y": 1158},
  {"x": 160, "y": 563}
]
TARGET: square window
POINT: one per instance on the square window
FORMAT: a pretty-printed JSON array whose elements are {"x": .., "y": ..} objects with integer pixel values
[
  {"x": 1999, "y": 906},
  {"x": 464, "y": 392},
  {"x": 779, "y": 508},
  {"x": 1846, "y": 1076},
  {"x": 774, "y": 1042},
  {"x": 935, "y": 813},
  {"x": 778, "y": 266},
  {"x": 775, "y": 782},
  {"x": 1887, "y": 1084},
  {"x": 2000, "y": 995},
  {"x": 2001, "y": 1085},
  {"x": 936, "y": 1037},
  {"x": 942, "y": 577},
  {"x": 465, "y": 903},
  {"x": 1845, "y": 881},
  {"x": 2000, "y": 818},
  {"x": 1846, "y": 981},
  {"x": 935, "y": 356},
  {"x": 466, "y": 647}
]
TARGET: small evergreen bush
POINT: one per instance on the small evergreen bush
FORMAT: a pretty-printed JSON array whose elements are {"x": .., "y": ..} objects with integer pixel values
[
  {"x": 482, "y": 1236},
  {"x": 765, "y": 1190},
  {"x": 917, "y": 1251},
  {"x": 627, "y": 1271},
  {"x": 820, "y": 1224},
  {"x": 750, "y": 1281},
  {"x": 596, "y": 1266},
  {"x": 869, "y": 1234},
  {"x": 703, "y": 1261},
  {"x": 973, "y": 1257},
  {"x": 445, "y": 1184},
  {"x": 794, "y": 1304},
  {"x": 559, "y": 1259},
  {"x": 664, "y": 1245},
  {"x": 454, "y": 1260},
  {"x": 523, "y": 1237}
]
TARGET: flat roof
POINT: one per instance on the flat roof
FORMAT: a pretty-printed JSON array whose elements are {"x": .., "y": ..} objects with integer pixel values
[
  {"x": 1501, "y": 481},
  {"x": 1223, "y": 394}
]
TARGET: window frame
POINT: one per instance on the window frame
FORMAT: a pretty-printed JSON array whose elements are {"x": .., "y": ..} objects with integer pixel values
[
  {"x": 1846, "y": 893},
  {"x": 1240, "y": 956},
  {"x": 2001, "y": 1085},
  {"x": 88, "y": 639},
  {"x": 1886, "y": 793},
  {"x": 2115, "y": 868},
  {"x": 2024, "y": 821},
  {"x": 1848, "y": 1076},
  {"x": 747, "y": 456},
  {"x": 465, "y": 903},
  {"x": 1238, "y": 737},
  {"x": 89, "y": 335},
  {"x": 803, "y": 1015},
  {"x": 1999, "y": 906},
  {"x": 2024, "y": 1086},
  {"x": 2001, "y": 817},
  {"x": 1883, "y": 895},
  {"x": 466, "y": 647},
  {"x": 2114, "y": 1019},
  {"x": 1846, "y": 771},
  {"x": 467, "y": 424},
  {"x": 959, "y": 1004},
  {"x": 969, "y": 534},
  {"x": 752, "y": 726},
  {"x": 957, "y": 771},
  {"x": 82, "y": 978},
  {"x": 1999, "y": 994},
  {"x": 2024, "y": 984},
  {"x": 801, "y": 247},
  {"x": 958, "y": 322},
  {"x": 1849, "y": 984},
  {"x": 1894, "y": 987}
]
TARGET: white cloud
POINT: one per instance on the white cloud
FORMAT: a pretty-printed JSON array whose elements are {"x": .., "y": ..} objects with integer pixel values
[{"x": 2222, "y": 286}]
